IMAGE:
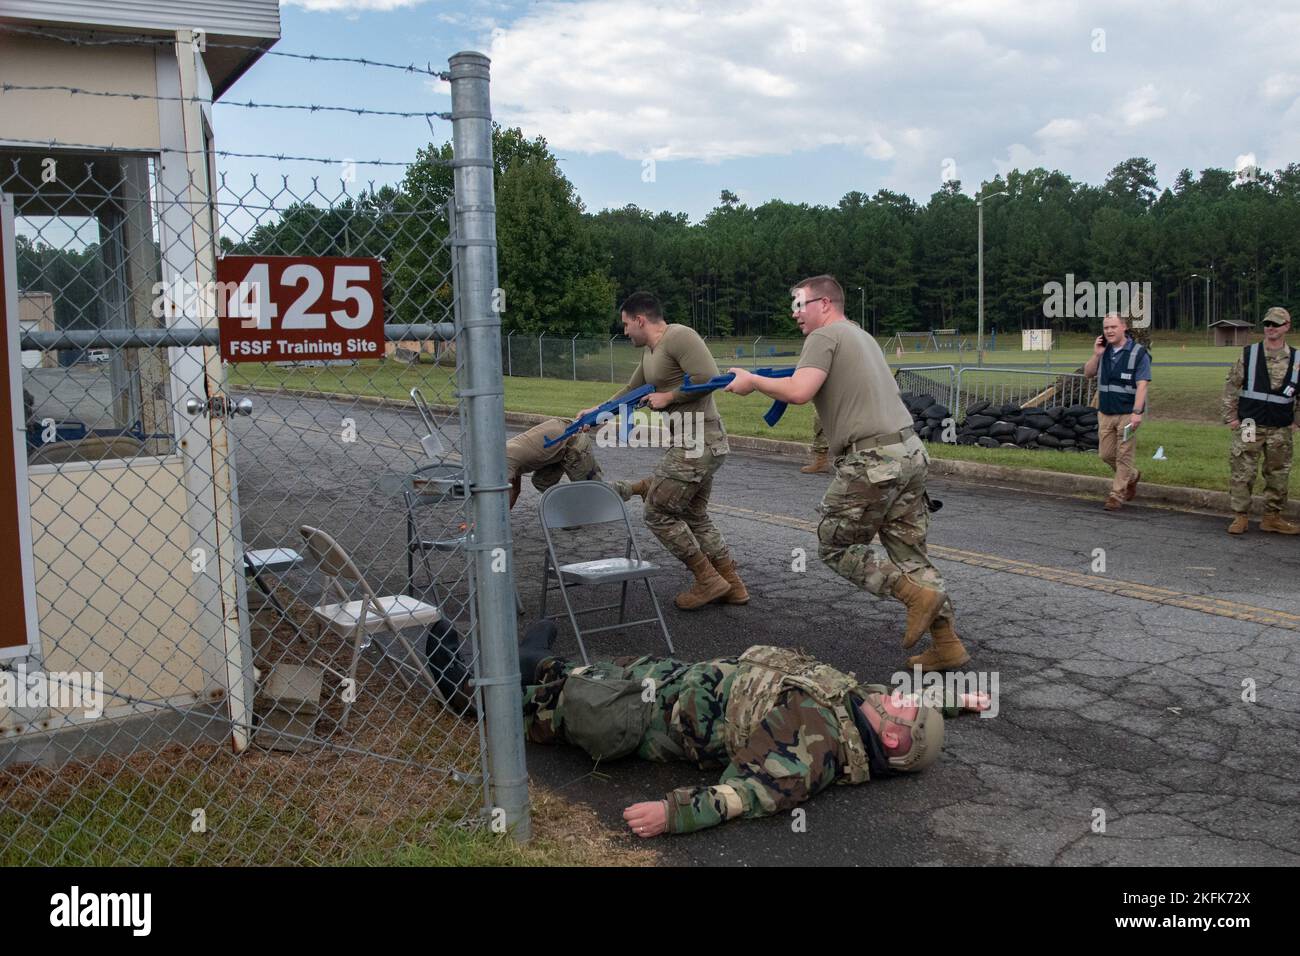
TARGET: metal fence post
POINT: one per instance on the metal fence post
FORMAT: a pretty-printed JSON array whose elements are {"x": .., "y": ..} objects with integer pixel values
[
  {"x": 541, "y": 362},
  {"x": 611, "y": 357},
  {"x": 574, "y": 344},
  {"x": 510, "y": 357},
  {"x": 493, "y": 549}
]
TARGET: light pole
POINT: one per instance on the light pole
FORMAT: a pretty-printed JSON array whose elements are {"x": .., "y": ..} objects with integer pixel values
[
  {"x": 863, "y": 323},
  {"x": 1195, "y": 275},
  {"x": 979, "y": 208}
]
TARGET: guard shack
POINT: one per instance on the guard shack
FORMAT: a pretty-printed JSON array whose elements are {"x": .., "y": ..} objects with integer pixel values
[{"x": 119, "y": 519}]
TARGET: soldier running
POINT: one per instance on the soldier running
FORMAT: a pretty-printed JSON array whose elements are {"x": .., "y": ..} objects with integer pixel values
[
  {"x": 880, "y": 468},
  {"x": 1259, "y": 406},
  {"x": 527, "y": 453},
  {"x": 677, "y": 496}
]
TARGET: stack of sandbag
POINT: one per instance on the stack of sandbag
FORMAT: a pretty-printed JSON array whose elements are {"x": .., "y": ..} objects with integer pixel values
[
  {"x": 1070, "y": 428},
  {"x": 928, "y": 416}
]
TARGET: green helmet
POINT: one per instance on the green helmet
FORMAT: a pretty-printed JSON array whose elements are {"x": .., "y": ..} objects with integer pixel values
[{"x": 926, "y": 729}]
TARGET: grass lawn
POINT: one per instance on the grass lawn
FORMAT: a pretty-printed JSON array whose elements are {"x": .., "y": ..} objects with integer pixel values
[{"x": 1184, "y": 418}]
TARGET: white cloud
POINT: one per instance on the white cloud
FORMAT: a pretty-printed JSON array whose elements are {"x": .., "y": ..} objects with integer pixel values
[
  {"x": 1141, "y": 106},
  {"x": 1280, "y": 86},
  {"x": 990, "y": 83}
]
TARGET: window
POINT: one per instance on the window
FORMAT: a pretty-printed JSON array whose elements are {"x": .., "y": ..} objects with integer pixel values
[{"x": 87, "y": 257}]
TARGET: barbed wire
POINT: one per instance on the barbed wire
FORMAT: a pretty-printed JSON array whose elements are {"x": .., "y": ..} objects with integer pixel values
[
  {"x": 142, "y": 40},
  {"x": 109, "y": 147},
  {"x": 309, "y": 107}
]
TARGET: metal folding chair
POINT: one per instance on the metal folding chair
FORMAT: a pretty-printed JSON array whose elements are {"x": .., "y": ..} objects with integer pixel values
[
  {"x": 581, "y": 504},
  {"x": 367, "y": 614}
]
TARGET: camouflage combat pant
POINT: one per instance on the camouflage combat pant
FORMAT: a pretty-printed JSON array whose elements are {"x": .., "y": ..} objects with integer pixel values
[
  {"x": 579, "y": 463},
  {"x": 819, "y": 444},
  {"x": 1272, "y": 450},
  {"x": 677, "y": 504},
  {"x": 686, "y": 720},
  {"x": 879, "y": 491}
]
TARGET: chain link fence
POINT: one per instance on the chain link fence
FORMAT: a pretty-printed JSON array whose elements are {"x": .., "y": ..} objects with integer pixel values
[{"x": 259, "y": 591}]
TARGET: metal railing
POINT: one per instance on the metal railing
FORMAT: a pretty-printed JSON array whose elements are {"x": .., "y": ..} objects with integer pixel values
[{"x": 1020, "y": 387}]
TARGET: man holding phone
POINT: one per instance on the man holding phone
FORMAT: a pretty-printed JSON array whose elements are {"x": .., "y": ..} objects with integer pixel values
[{"x": 1122, "y": 367}]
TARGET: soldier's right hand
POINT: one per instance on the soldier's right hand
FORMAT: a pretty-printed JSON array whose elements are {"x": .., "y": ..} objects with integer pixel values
[
  {"x": 584, "y": 413},
  {"x": 1099, "y": 346},
  {"x": 1234, "y": 424}
]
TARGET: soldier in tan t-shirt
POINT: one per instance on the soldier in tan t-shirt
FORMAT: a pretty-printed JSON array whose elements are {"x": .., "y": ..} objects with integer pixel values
[
  {"x": 880, "y": 468},
  {"x": 527, "y": 453},
  {"x": 677, "y": 496}
]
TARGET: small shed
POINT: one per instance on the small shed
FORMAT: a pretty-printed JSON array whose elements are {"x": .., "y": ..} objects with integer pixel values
[{"x": 1232, "y": 332}]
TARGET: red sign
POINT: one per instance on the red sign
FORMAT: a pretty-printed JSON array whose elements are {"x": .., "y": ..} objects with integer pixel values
[{"x": 299, "y": 308}]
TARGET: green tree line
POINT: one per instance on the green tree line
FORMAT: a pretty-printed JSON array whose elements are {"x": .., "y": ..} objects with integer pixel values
[{"x": 905, "y": 266}]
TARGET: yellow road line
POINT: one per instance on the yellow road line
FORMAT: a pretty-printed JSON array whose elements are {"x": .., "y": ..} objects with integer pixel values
[{"x": 1130, "y": 589}]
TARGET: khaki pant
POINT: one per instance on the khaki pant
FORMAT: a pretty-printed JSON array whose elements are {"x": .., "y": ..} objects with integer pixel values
[{"x": 1117, "y": 454}]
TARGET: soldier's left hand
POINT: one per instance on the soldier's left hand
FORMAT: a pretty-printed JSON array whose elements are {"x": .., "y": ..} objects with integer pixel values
[
  {"x": 647, "y": 819},
  {"x": 975, "y": 702},
  {"x": 659, "y": 400},
  {"x": 743, "y": 383}
]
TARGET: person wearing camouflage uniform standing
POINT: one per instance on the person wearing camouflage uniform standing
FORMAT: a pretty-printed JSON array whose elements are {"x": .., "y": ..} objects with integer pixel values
[
  {"x": 527, "y": 453},
  {"x": 783, "y": 725},
  {"x": 677, "y": 496},
  {"x": 880, "y": 468},
  {"x": 1259, "y": 406}
]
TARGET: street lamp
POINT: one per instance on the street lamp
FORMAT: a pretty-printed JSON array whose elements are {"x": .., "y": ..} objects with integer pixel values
[
  {"x": 863, "y": 323},
  {"x": 1195, "y": 275},
  {"x": 979, "y": 207}
]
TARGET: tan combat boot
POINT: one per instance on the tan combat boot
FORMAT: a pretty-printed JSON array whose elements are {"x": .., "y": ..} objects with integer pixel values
[
  {"x": 821, "y": 462},
  {"x": 1275, "y": 522},
  {"x": 922, "y": 605},
  {"x": 1131, "y": 489},
  {"x": 1240, "y": 524},
  {"x": 946, "y": 651},
  {"x": 738, "y": 594},
  {"x": 708, "y": 586},
  {"x": 1113, "y": 503}
]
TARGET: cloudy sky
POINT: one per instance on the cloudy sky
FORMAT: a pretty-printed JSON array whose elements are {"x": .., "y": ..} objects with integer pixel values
[{"x": 664, "y": 104}]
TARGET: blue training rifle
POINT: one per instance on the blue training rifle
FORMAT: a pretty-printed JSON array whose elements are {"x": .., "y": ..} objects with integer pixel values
[
  {"x": 621, "y": 406},
  {"x": 773, "y": 414}
]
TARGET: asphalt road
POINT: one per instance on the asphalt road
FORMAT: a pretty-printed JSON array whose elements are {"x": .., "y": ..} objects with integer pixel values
[{"x": 1119, "y": 690}]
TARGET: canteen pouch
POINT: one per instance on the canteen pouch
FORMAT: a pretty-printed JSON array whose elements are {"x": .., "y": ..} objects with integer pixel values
[{"x": 603, "y": 712}]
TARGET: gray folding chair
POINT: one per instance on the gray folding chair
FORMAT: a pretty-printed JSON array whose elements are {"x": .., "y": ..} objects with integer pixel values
[
  {"x": 581, "y": 504},
  {"x": 361, "y": 617}
]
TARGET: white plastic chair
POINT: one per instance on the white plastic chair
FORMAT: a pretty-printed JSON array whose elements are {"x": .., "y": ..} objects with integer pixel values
[{"x": 363, "y": 616}]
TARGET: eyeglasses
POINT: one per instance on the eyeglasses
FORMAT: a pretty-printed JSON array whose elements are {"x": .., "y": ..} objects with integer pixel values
[
  {"x": 1277, "y": 325},
  {"x": 801, "y": 304}
]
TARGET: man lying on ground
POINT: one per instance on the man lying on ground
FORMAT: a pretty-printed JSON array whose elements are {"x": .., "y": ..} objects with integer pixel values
[{"x": 783, "y": 725}]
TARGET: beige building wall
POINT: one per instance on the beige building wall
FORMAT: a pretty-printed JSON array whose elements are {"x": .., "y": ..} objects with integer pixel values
[
  {"x": 119, "y": 121},
  {"x": 113, "y": 581}
]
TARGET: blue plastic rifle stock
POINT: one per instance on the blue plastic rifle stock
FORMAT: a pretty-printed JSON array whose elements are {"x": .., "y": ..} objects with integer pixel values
[
  {"x": 771, "y": 416},
  {"x": 621, "y": 406}
]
